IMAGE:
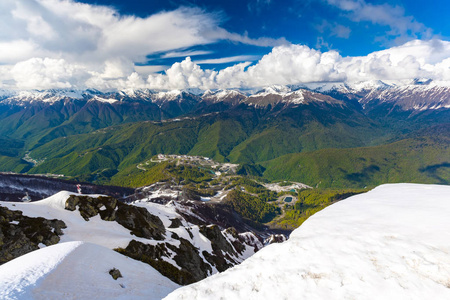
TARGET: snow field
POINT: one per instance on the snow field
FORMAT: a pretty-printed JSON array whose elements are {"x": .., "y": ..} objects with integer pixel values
[
  {"x": 390, "y": 243},
  {"x": 78, "y": 270}
]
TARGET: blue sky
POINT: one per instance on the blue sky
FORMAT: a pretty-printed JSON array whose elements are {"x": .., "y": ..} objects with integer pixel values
[
  {"x": 219, "y": 44},
  {"x": 319, "y": 24}
]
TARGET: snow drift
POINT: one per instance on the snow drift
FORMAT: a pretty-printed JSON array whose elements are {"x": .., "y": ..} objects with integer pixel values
[
  {"x": 390, "y": 243},
  {"x": 78, "y": 270}
]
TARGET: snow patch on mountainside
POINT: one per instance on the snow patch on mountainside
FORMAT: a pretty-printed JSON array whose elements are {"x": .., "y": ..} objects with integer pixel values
[
  {"x": 104, "y": 100},
  {"x": 390, "y": 243}
]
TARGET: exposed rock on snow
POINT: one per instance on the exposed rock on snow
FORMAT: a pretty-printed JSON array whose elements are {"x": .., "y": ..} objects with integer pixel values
[
  {"x": 144, "y": 231},
  {"x": 21, "y": 234},
  {"x": 390, "y": 243}
]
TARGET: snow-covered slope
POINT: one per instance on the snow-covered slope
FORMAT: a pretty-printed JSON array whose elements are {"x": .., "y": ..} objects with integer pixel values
[
  {"x": 154, "y": 233},
  {"x": 275, "y": 95},
  {"x": 411, "y": 97},
  {"x": 418, "y": 94},
  {"x": 390, "y": 243},
  {"x": 96, "y": 230},
  {"x": 78, "y": 270}
]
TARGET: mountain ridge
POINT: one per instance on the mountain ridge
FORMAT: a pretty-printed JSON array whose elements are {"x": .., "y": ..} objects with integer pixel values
[{"x": 367, "y": 90}]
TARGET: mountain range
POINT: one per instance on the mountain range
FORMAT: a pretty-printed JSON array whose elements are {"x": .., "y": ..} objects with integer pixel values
[{"x": 102, "y": 136}]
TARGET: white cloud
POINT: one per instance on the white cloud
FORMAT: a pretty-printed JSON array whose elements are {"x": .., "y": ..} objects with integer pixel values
[
  {"x": 47, "y": 73},
  {"x": 222, "y": 34},
  {"x": 65, "y": 44},
  {"x": 97, "y": 39},
  {"x": 16, "y": 50},
  {"x": 185, "y": 53},
  {"x": 296, "y": 64},
  {"x": 287, "y": 64},
  {"x": 224, "y": 60}
]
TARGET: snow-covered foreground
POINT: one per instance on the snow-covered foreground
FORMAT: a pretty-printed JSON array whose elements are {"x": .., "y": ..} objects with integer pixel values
[
  {"x": 77, "y": 267},
  {"x": 390, "y": 243},
  {"x": 78, "y": 270}
]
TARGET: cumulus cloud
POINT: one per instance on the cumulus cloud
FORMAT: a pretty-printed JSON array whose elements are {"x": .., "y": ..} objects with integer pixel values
[
  {"x": 86, "y": 32},
  {"x": 296, "y": 64},
  {"x": 47, "y": 73},
  {"x": 64, "y": 44},
  {"x": 97, "y": 39}
]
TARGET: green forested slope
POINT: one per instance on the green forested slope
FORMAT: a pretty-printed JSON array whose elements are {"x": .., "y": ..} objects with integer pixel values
[{"x": 421, "y": 159}]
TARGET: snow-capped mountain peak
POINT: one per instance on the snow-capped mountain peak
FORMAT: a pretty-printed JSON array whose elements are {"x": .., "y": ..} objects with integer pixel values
[{"x": 419, "y": 94}]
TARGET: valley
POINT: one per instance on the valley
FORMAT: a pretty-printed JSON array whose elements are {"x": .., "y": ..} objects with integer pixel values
[{"x": 114, "y": 141}]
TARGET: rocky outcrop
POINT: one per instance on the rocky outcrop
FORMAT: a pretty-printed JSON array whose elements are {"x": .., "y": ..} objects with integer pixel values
[
  {"x": 222, "y": 249},
  {"x": 192, "y": 267},
  {"x": 218, "y": 241},
  {"x": 137, "y": 219},
  {"x": 90, "y": 206},
  {"x": 140, "y": 222},
  {"x": 193, "y": 264},
  {"x": 154, "y": 256},
  {"x": 175, "y": 223},
  {"x": 188, "y": 258},
  {"x": 20, "y": 234},
  {"x": 275, "y": 238}
]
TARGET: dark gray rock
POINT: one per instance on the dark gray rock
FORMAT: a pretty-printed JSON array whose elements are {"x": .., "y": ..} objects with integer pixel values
[
  {"x": 20, "y": 234},
  {"x": 91, "y": 206},
  {"x": 152, "y": 255},
  {"x": 218, "y": 241},
  {"x": 115, "y": 273},
  {"x": 140, "y": 222},
  {"x": 175, "y": 223},
  {"x": 137, "y": 219}
]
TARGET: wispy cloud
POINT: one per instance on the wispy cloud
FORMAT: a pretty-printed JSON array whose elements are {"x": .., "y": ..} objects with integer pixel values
[
  {"x": 185, "y": 53},
  {"x": 256, "y": 6},
  {"x": 222, "y": 34},
  {"x": 65, "y": 44},
  {"x": 402, "y": 26},
  {"x": 334, "y": 29},
  {"x": 225, "y": 60}
]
